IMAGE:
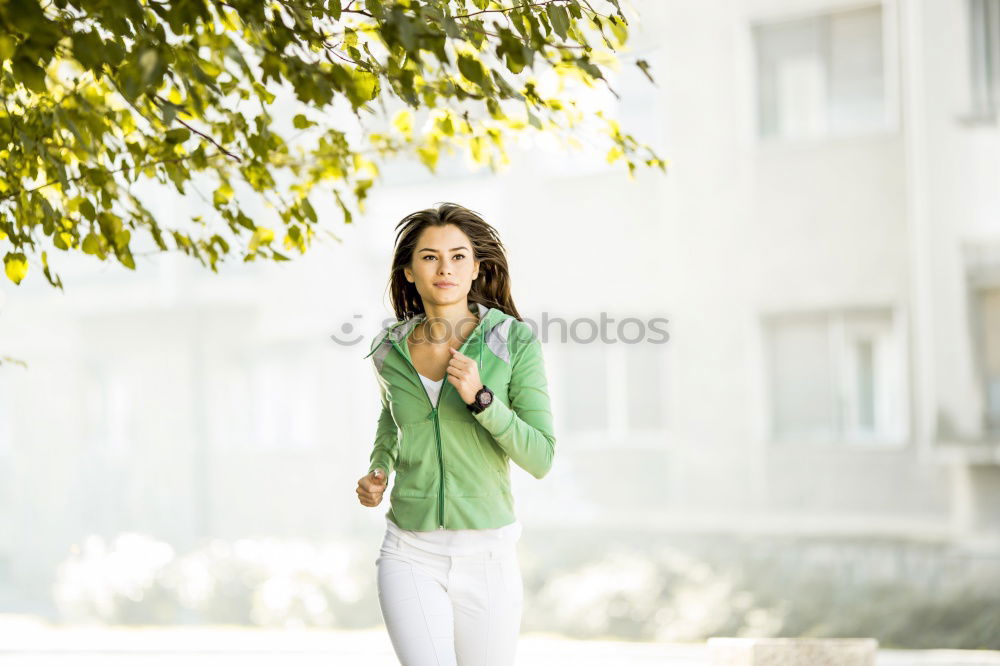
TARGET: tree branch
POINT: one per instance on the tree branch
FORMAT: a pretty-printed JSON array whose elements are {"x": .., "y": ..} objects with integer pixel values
[{"x": 14, "y": 193}]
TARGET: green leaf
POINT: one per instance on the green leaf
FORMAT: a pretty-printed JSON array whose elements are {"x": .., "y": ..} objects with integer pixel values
[
  {"x": 170, "y": 112},
  {"x": 177, "y": 135},
  {"x": 16, "y": 266},
  {"x": 473, "y": 70},
  {"x": 375, "y": 8},
  {"x": 644, "y": 66},
  {"x": 30, "y": 74},
  {"x": 261, "y": 236},
  {"x": 87, "y": 210},
  {"x": 619, "y": 29},
  {"x": 7, "y": 46},
  {"x": 263, "y": 92},
  {"x": 125, "y": 257},
  {"x": 301, "y": 122},
  {"x": 121, "y": 239},
  {"x": 62, "y": 240},
  {"x": 92, "y": 244},
  {"x": 309, "y": 210},
  {"x": 88, "y": 49},
  {"x": 559, "y": 18},
  {"x": 222, "y": 194},
  {"x": 151, "y": 66}
]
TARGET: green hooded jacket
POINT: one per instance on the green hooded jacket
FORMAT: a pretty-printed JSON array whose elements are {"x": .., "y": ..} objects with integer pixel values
[{"x": 451, "y": 465}]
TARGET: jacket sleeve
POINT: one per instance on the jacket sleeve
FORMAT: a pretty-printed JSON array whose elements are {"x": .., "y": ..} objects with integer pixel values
[
  {"x": 524, "y": 428},
  {"x": 386, "y": 439}
]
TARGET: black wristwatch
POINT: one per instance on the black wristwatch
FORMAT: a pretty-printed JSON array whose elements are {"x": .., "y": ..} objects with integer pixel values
[{"x": 483, "y": 399}]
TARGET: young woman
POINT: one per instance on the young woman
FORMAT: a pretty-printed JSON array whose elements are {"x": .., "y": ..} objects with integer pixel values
[{"x": 463, "y": 391}]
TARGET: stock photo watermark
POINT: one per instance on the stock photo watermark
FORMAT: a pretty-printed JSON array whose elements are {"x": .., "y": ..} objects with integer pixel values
[{"x": 580, "y": 330}]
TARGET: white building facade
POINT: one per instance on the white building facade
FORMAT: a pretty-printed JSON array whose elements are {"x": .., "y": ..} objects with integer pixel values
[{"x": 825, "y": 248}]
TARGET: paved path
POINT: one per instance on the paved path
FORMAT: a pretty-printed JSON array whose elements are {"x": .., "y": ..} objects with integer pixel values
[{"x": 32, "y": 644}]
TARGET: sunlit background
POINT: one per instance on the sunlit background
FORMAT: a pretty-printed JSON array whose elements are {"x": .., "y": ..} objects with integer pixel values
[{"x": 815, "y": 451}]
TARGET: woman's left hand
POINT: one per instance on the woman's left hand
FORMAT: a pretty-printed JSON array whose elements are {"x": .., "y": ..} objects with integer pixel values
[{"x": 463, "y": 374}]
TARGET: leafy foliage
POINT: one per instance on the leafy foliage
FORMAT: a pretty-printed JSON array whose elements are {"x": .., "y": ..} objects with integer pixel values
[{"x": 97, "y": 96}]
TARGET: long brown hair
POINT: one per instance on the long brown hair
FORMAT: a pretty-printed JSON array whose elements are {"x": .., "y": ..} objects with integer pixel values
[{"x": 491, "y": 287}]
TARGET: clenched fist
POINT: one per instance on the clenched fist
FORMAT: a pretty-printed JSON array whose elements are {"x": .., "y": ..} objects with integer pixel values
[
  {"x": 371, "y": 486},
  {"x": 463, "y": 374}
]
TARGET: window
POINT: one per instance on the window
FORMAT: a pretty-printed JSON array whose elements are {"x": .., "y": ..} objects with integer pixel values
[
  {"x": 645, "y": 387},
  {"x": 586, "y": 387},
  {"x": 836, "y": 376},
  {"x": 822, "y": 75},
  {"x": 989, "y": 335},
  {"x": 6, "y": 427},
  {"x": 613, "y": 394},
  {"x": 109, "y": 409},
  {"x": 984, "y": 42}
]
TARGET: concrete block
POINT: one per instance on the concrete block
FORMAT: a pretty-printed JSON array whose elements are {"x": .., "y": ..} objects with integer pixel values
[{"x": 727, "y": 651}]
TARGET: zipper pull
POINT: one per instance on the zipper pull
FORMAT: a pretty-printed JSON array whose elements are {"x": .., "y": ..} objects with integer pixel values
[{"x": 430, "y": 414}]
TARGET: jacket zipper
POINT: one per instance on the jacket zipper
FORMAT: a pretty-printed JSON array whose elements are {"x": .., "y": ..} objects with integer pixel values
[
  {"x": 437, "y": 422},
  {"x": 437, "y": 432}
]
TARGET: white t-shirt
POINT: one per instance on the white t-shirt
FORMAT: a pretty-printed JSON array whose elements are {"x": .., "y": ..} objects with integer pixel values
[
  {"x": 455, "y": 542},
  {"x": 433, "y": 388}
]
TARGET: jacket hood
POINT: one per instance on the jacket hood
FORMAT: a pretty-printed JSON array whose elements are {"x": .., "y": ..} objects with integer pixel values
[{"x": 488, "y": 319}]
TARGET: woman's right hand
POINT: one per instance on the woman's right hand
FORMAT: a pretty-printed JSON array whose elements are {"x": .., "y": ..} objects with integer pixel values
[{"x": 371, "y": 486}]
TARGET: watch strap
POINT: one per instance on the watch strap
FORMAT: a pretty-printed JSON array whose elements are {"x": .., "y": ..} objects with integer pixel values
[{"x": 477, "y": 404}]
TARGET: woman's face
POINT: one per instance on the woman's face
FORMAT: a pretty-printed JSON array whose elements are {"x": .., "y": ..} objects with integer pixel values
[{"x": 443, "y": 267}]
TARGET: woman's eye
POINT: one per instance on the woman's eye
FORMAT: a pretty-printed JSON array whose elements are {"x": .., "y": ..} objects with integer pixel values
[
  {"x": 430, "y": 256},
  {"x": 459, "y": 255}
]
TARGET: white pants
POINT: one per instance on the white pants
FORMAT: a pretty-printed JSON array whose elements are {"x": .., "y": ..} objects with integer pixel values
[{"x": 440, "y": 610}]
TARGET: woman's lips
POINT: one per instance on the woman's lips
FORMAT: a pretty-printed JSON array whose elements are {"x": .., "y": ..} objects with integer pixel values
[{"x": 444, "y": 285}]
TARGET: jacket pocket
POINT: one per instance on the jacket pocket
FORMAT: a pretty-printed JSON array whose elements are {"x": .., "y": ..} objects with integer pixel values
[
  {"x": 417, "y": 468},
  {"x": 470, "y": 468}
]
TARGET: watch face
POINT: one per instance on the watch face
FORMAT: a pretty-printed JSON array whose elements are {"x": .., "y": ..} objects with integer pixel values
[{"x": 485, "y": 398}]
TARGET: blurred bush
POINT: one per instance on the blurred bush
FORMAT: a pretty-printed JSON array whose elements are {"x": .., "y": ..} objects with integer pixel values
[
  {"x": 907, "y": 595},
  {"x": 266, "y": 582}
]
